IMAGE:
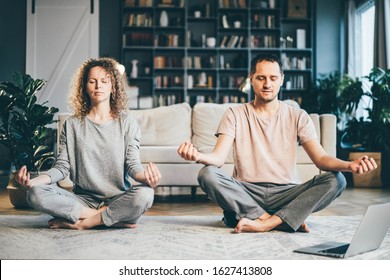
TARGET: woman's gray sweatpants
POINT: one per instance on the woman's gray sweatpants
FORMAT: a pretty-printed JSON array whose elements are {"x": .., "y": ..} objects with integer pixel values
[
  {"x": 60, "y": 203},
  {"x": 292, "y": 203}
]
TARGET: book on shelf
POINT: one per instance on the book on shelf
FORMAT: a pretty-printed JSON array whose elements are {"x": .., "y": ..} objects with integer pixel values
[
  {"x": 242, "y": 3},
  {"x": 232, "y": 41},
  {"x": 223, "y": 42},
  {"x": 140, "y": 20},
  {"x": 240, "y": 41},
  {"x": 145, "y": 3},
  {"x": 232, "y": 3},
  {"x": 137, "y": 39},
  {"x": 130, "y": 3},
  {"x": 301, "y": 38}
]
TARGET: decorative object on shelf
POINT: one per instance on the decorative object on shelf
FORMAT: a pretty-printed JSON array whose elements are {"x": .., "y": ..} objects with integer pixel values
[
  {"x": 202, "y": 79},
  {"x": 197, "y": 14},
  {"x": 190, "y": 82},
  {"x": 271, "y": 4},
  {"x": 297, "y": 8},
  {"x": 237, "y": 24},
  {"x": 164, "y": 18},
  {"x": 24, "y": 131},
  {"x": 211, "y": 41},
  {"x": 225, "y": 22},
  {"x": 134, "y": 69},
  {"x": 301, "y": 38}
]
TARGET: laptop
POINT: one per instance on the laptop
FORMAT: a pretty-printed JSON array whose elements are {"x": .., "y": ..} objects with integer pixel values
[{"x": 368, "y": 237}]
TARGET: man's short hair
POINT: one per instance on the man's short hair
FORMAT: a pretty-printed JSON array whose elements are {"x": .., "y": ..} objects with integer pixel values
[{"x": 265, "y": 57}]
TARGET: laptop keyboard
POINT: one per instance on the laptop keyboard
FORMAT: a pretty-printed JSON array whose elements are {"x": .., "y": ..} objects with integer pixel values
[{"x": 337, "y": 250}]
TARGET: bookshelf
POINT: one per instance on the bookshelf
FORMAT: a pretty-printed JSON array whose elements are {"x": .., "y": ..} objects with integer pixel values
[{"x": 200, "y": 51}]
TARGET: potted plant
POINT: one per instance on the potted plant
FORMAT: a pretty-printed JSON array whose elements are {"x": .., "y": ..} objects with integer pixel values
[
  {"x": 23, "y": 129},
  {"x": 370, "y": 133},
  {"x": 325, "y": 95}
]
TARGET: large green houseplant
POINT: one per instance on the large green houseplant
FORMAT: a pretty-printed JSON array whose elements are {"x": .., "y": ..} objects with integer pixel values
[
  {"x": 24, "y": 125},
  {"x": 372, "y": 133},
  {"x": 325, "y": 95}
]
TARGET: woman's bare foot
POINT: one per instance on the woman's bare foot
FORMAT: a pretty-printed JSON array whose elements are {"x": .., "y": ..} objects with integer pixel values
[{"x": 57, "y": 223}]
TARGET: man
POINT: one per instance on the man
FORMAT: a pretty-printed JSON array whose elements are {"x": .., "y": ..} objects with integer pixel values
[{"x": 265, "y": 192}]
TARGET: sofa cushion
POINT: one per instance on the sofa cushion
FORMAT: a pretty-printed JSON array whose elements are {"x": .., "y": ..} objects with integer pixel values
[
  {"x": 205, "y": 122},
  {"x": 161, "y": 154},
  {"x": 164, "y": 126}
]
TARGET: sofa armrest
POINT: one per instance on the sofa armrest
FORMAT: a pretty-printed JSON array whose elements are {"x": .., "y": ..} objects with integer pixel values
[{"x": 328, "y": 133}]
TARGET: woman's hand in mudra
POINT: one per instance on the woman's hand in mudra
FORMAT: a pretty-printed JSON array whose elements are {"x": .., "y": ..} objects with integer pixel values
[{"x": 152, "y": 175}]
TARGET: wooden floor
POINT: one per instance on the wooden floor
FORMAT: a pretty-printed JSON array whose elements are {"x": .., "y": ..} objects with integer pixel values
[{"x": 353, "y": 201}]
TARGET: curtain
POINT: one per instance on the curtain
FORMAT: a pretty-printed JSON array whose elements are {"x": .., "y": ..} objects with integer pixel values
[
  {"x": 382, "y": 34},
  {"x": 353, "y": 48}
]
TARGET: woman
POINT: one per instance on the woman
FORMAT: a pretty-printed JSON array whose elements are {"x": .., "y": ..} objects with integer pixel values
[{"x": 99, "y": 147}]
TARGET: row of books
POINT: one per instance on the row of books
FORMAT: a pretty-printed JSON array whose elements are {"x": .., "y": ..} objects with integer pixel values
[
  {"x": 263, "y": 41},
  {"x": 149, "y": 3},
  {"x": 170, "y": 99},
  {"x": 199, "y": 62},
  {"x": 167, "y": 81},
  {"x": 139, "y": 20},
  {"x": 161, "y": 61},
  {"x": 263, "y": 21},
  {"x": 294, "y": 82},
  {"x": 231, "y": 81},
  {"x": 233, "y": 99},
  {"x": 138, "y": 3},
  {"x": 233, "y": 41},
  {"x": 137, "y": 39},
  {"x": 295, "y": 62},
  {"x": 166, "y": 100},
  {"x": 166, "y": 40},
  {"x": 232, "y": 3}
]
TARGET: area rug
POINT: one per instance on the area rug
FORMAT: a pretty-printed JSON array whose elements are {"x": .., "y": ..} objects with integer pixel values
[{"x": 164, "y": 237}]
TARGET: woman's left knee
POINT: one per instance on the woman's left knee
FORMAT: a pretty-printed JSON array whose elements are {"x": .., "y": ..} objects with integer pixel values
[{"x": 145, "y": 197}]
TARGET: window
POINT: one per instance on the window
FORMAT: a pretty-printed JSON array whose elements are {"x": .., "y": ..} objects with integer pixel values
[
  {"x": 361, "y": 46},
  {"x": 366, "y": 13}
]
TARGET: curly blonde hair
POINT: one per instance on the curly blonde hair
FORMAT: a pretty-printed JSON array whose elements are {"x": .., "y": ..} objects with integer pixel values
[{"x": 80, "y": 101}]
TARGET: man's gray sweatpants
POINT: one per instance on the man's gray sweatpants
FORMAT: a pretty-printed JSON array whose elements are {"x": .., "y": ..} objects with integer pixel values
[
  {"x": 292, "y": 203},
  {"x": 125, "y": 207}
]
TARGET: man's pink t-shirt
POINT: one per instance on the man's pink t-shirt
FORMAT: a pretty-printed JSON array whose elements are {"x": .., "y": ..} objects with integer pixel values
[{"x": 265, "y": 150}]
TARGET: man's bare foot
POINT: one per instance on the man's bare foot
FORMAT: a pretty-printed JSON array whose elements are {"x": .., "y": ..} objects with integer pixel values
[
  {"x": 304, "y": 228},
  {"x": 124, "y": 225},
  {"x": 257, "y": 225},
  {"x": 284, "y": 227}
]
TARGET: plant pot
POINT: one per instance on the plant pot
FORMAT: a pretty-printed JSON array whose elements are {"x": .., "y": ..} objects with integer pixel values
[
  {"x": 372, "y": 179},
  {"x": 17, "y": 193}
]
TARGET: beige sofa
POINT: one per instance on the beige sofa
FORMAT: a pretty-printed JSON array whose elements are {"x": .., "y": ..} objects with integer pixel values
[{"x": 165, "y": 128}]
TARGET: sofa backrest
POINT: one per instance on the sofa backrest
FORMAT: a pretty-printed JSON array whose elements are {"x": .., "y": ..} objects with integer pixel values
[
  {"x": 205, "y": 122},
  {"x": 174, "y": 124},
  {"x": 206, "y": 118},
  {"x": 164, "y": 126}
]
